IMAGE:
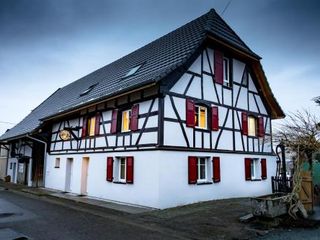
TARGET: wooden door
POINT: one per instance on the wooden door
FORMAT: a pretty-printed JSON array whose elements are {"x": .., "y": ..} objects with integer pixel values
[
  {"x": 84, "y": 176},
  {"x": 68, "y": 174},
  {"x": 306, "y": 192}
]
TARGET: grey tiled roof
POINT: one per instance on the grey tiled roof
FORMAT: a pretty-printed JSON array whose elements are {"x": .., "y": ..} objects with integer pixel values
[{"x": 159, "y": 58}]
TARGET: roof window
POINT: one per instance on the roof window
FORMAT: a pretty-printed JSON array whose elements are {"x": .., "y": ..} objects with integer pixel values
[
  {"x": 133, "y": 70},
  {"x": 85, "y": 92}
]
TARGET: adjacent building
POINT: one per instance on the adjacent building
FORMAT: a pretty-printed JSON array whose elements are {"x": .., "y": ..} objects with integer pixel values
[{"x": 186, "y": 118}]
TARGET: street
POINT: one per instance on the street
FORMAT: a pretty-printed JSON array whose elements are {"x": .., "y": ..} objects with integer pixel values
[
  {"x": 49, "y": 219},
  {"x": 43, "y": 217}
]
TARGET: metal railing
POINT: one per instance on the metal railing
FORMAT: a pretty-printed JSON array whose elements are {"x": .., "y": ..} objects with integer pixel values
[{"x": 280, "y": 185}]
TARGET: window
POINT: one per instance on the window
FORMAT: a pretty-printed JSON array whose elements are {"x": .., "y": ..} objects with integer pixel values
[
  {"x": 255, "y": 169},
  {"x": 201, "y": 117},
  {"x": 126, "y": 116},
  {"x": 91, "y": 125},
  {"x": 133, "y": 71},
  {"x": 85, "y": 92},
  {"x": 10, "y": 165},
  {"x": 122, "y": 169},
  {"x": 202, "y": 169},
  {"x": 252, "y": 126},
  {"x": 57, "y": 163},
  {"x": 226, "y": 72}
]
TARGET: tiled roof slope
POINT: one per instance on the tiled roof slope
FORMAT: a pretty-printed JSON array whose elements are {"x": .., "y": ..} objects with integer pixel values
[{"x": 160, "y": 57}]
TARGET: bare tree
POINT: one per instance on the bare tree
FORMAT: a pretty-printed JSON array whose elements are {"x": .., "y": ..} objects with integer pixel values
[{"x": 300, "y": 133}]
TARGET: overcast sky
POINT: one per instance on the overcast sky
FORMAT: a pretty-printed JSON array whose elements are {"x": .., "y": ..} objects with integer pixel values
[{"x": 46, "y": 44}]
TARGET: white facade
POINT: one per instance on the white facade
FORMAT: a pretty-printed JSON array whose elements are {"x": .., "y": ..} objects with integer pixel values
[
  {"x": 20, "y": 171},
  {"x": 163, "y": 143},
  {"x": 160, "y": 178}
]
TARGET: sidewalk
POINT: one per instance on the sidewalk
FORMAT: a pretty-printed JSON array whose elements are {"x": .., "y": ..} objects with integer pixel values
[{"x": 132, "y": 209}]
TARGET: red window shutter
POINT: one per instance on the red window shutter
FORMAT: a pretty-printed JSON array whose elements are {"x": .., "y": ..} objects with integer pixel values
[
  {"x": 216, "y": 169},
  {"x": 218, "y": 67},
  {"x": 134, "y": 117},
  {"x": 97, "y": 126},
  {"x": 244, "y": 118},
  {"x": 214, "y": 118},
  {"x": 260, "y": 127},
  {"x": 263, "y": 168},
  {"x": 84, "y": 127},
  {"x": 129, "y": 174},
  {"x": 192, "y": 170},
  {"x": 109, "y": 169},
  {"x": 114, "y": 121},
  {"x": 190, "y": 113},
  {"x": 247, "y": 167}
]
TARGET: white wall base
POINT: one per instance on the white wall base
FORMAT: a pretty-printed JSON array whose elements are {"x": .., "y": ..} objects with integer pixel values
[{"x": 160, "y": 178}]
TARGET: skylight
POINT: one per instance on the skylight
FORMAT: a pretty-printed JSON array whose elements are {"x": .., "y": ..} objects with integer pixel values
[
  {"x": 85, "y": 92},
  {"x": 133, "y": 71}
]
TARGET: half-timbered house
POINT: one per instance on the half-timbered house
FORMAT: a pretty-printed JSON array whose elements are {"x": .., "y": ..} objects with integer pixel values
[{"x": 186, "y": 118}]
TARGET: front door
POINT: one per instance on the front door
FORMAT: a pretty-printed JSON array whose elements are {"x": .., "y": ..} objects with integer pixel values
[
  {"x": 84, "y": 175},
  {"x": 68, "y": 174}
]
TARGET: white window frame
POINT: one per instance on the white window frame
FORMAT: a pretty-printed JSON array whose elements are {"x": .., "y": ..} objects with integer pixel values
[
  {"x": 255, "y": 167},
  {"x": 129, "y": 116},
  {"x": 250, "y": 133},
  {"x": 206, "y": 117},
  {"x": 117, "y": 170},
  {"x": 226, "y": 72},
  {"x": 208, "y": 173}
]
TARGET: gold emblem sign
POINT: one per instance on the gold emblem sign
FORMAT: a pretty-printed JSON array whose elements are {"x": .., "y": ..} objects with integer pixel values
[{"x": 64, "y": 135}]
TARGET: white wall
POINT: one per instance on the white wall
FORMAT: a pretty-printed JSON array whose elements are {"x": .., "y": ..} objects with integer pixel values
[
  {"x": 160, "y": 178},
  {"x": 144, "y": 191},
  {"x": 175, "y": 190}
]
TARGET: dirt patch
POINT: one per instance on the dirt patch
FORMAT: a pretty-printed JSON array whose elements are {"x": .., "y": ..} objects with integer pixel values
[{"x": 207, "y": 220}]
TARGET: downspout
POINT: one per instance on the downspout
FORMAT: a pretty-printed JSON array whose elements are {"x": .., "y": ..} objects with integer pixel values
[
  {"x": 44, "y": 158},
  {"x": 7, "y": 162}
]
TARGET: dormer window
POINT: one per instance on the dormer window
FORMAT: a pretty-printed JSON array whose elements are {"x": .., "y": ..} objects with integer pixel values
[
  {"x": 133, "y": 71},
  {"x": 89, "y": 89}
]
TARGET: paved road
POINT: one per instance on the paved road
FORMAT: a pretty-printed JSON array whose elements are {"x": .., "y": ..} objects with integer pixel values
[{"x": 43, "y": 218}]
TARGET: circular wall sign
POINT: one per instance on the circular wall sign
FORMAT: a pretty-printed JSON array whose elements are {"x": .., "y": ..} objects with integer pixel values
[{"x": 65, "y": 135}]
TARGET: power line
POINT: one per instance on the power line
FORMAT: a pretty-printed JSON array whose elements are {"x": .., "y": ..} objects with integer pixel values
[
  {"x": 226, "y": 7},
  {"x": 4, "y": 122}
]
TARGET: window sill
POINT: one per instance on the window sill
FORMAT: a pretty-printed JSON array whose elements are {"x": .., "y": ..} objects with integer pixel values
[
  {"x": 118, "y": 182},
  {"x": 255, "y": 180},
  {"x": 225, "y": 86},
  {"x": 204, "y": 183},
  {"x": 56, "y": 167}
]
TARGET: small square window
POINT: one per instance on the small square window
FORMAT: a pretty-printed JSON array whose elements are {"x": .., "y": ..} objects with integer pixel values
[
  {"x": 201, "y": 117},
  {"x": 252, "y": 126},
  {"x": 57, "y": 163},
  {"x": 125, "y": 121}
]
